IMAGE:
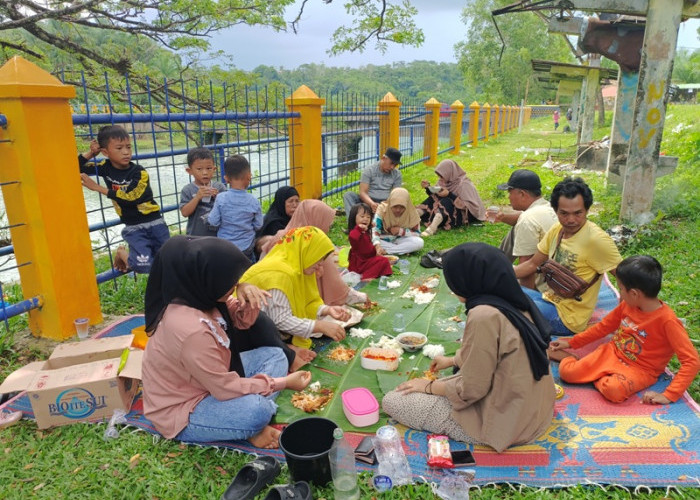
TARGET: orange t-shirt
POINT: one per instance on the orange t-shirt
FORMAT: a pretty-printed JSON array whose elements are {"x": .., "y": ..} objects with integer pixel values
[{"x": 647, "y": 340}]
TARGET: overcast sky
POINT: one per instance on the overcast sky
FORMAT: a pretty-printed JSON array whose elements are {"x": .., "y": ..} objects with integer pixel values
[{"x": 439, "y": 19}]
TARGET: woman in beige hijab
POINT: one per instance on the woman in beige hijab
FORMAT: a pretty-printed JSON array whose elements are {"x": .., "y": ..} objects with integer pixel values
[
  {"x": 334, "y": 291},
  {"x": 453, "y": 202},
  {"x": 397, "y": 225}
]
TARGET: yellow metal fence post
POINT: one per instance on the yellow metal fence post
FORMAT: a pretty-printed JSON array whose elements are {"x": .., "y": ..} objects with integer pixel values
[
  {"x": 487, "y": 121},
  {"x": 456, "y": 126},
  {"x": 45, "y": 199},
  {"x": 496, "y": 118},
  {"x": 388, "y": 123},
  {"x": 474, "y": 124},
  {"x": 432, "y": 131},
  {"x": 305, "y": 149}
]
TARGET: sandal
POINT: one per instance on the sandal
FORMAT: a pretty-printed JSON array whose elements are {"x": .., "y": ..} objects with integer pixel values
[
  {"x": 9, "y": 418},
  {"x": 299, "y": 490},
  {"x": 252, "y": 478}
]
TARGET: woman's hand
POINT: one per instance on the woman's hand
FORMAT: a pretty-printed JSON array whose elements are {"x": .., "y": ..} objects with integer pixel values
[
  {"x": 298, "y": 381},
  {"x": 443, "y": 192},
  {"x": 557, "y": 345},
  {"x": 329, "y": 329},
  {"x": 395, "y": 230},
  {"x": 338, "y": 312},
  {"x": 424, "y": 184},
  {"x": 441, "y": 362},
  {"x": 651, "y": 397},
  {"x": 252, "y": 295},
  {"x": 414, "y": 385}
]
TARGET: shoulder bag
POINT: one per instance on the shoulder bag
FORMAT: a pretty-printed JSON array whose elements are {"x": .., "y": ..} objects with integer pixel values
[{"x": 561, "y": 280}]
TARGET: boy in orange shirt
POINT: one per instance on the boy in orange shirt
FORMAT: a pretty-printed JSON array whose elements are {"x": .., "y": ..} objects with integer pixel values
[{"x": 646, "y": 334}]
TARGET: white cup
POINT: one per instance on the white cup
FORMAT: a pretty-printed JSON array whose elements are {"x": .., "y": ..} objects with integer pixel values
[
  {"x": 382, "y": 285},
  {"x": 82, "y": 327},
  {"x": 399, "y": 323},
  {"x": 491, "y": 213}
]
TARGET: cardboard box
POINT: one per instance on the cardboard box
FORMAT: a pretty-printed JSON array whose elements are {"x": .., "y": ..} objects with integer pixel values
[{"x": 81, "y": 381}]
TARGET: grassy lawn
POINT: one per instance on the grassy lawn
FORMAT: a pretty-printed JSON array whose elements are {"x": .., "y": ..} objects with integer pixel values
[{"x": 75, "y": 461}]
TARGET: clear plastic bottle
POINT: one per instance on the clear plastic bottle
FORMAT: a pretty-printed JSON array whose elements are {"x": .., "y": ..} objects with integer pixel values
[
  {"x": 343, "y": 470},
  {"x": 391, "y": 457}
]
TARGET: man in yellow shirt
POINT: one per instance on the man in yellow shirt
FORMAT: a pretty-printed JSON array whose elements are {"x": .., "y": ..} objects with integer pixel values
[{"x": 585, "y": 249}]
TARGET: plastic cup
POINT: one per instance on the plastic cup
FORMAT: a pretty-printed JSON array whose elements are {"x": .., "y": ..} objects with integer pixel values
[
  {"x": 399, "y": 323},
  {"x": 404, "y": 266},
  {"x": 382, "y": 285},
  {"x": 491, "y": 213},
  {"x": 82, "y": 327}
]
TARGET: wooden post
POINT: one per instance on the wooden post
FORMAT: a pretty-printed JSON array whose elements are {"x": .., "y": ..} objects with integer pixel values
[
  {"x": 456, "y": 126},
  {"x": 305, "y": 158},
  {"x": 44, "y": 200}
]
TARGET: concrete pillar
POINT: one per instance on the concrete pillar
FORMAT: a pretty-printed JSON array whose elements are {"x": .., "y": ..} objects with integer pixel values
[
  {"x": 622, "y": 123},
  {"x": 389, "y": 123},
  {"x": 575, "y": 110},
  {"x": 658, "y": 50},
  {"x": 581, "y": 107},
  {"x": 456, "y": 126},
  {"x": 44, "y": 199},
  {"x": 485, "y": 128},
  {"x": 496, "y": 118},
  {"x": 589, "y": 97},
  {"x": 305, "y": 158},
  {"x": 432, "y": 131},
  {"x": 474, "y": 124}
]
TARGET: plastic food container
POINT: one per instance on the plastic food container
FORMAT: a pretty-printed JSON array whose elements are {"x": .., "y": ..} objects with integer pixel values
[
  {"x": 411, "y": 341},
  {"x": 377, "y": 358},
  {"x": 360, "y": 406}
]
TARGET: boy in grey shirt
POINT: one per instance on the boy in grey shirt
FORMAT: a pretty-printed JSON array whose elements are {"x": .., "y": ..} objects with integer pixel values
[
  {"x": 376, "y": 182},
  {"x": 197, "y": 198}
]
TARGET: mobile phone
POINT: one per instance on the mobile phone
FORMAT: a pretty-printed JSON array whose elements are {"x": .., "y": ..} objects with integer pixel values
[{"x": 463, "y": 457}]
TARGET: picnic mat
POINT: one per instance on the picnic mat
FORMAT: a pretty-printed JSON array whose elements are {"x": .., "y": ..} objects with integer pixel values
[{"x": 590, "y": 440}]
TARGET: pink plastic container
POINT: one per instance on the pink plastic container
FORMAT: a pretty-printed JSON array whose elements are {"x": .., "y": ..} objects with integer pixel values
[{"x": 360, "y": 406}]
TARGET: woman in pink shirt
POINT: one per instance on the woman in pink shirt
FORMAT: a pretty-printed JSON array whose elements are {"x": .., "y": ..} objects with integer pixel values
[{"x": 203, "y": 379}]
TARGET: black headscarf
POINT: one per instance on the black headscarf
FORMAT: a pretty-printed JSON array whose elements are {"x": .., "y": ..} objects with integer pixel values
[
  {"x": 195, "y": 271},
  {"x": 276, "y": 217},
  {"x": 482, "y": 274}
]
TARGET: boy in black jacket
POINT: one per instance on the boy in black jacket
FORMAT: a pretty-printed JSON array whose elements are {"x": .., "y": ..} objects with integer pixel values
[{"x": 128, "y": 186}]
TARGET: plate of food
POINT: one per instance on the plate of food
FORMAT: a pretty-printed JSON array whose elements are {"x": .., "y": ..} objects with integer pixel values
[
  {"x": 411, "y": 341},
  {"x": 393, "y": 259}
]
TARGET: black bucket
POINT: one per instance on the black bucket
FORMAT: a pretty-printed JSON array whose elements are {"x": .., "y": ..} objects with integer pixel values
[{"x": 305, "y": 444}]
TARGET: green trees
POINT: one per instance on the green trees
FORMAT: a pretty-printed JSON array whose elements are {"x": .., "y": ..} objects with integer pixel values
[{"x": 499, "y": 71}]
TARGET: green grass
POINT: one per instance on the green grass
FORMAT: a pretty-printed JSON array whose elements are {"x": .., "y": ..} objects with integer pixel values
[{"x": 75, "y": 461}]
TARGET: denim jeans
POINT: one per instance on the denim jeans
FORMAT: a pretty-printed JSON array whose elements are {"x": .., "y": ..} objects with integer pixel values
[
  {"x": 144, "y": 241},
  {"x": 242, "y": 417},
  {"x": 549, "y": 311}
]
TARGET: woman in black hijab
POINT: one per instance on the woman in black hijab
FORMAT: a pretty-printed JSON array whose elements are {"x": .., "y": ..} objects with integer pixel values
[
  {"x": 503, "y": 393},
  {"x": 277, "y": 217},
  {"x": 205, "y": 377}
]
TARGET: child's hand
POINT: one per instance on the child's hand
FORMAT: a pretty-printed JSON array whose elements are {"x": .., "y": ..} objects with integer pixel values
[
  {"x": 330, "y": 329},
  {"x": 205, "y": 191},
  {"x": 424, "y": 184},
  {"x": 441, "y": 362},
  {"x": 380, "y": 249},
  {"x": 363, "y": 227},
  {"x": 94, "y": 148},
  {"x": 87, "y": 181},
  {"x": 654, "y": 398},
  {"x": 298, "y": 381},
  {"x": 559, "y": 344}
]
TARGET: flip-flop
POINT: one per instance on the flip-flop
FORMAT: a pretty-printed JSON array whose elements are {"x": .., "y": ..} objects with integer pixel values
[
  {"x": 9, "y": 418},
  {"x": 297, "y": 491},
  {"x": 252, "y": 478}
]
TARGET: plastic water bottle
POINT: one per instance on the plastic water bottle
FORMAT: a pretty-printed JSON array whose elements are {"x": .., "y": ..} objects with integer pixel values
[
  {"x": 342, "y": 460},
  {"x": 391, "y": 457}
]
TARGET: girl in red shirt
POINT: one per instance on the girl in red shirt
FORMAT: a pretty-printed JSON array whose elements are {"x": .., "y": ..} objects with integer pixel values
[{"x": 363, "y": 256}]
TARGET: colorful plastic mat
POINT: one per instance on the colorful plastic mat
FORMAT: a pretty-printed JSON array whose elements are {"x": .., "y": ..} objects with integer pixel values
[{"x": 590, "y": 440}]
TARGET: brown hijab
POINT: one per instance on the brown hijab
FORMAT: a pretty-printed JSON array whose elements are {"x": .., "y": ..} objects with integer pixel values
[
  {"x": 409, "y": 218},
  {"x": 455, "y": 180}
]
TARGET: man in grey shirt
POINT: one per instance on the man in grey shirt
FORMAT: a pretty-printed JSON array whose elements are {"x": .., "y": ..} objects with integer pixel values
[{"x": 376, "y": 182}]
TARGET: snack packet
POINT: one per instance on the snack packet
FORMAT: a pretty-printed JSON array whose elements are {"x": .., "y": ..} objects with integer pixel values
[{"x": 439, "y": 451}]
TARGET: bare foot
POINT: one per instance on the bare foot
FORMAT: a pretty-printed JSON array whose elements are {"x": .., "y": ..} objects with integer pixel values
[
  {"x": 267, "y": 438},
  {"x": 303, "y": 356},
  {"x": 121, "y": 259},
  {"x": 559, "y": 355}
]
